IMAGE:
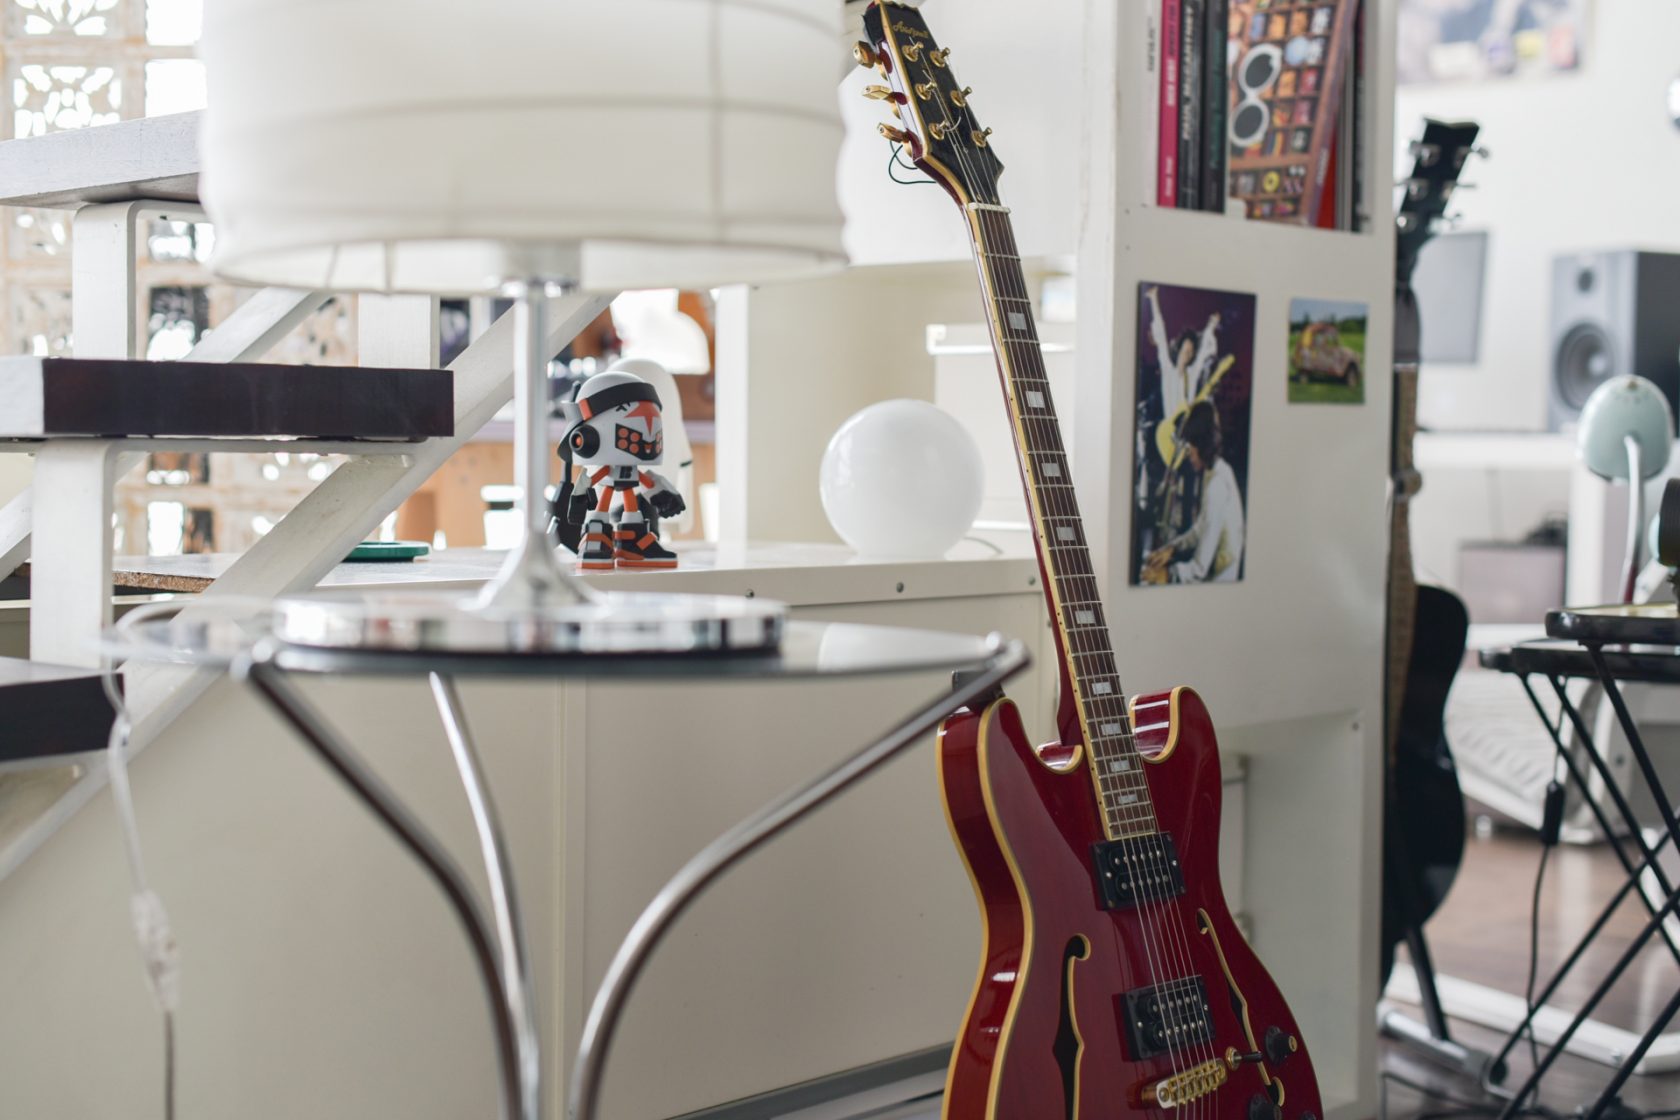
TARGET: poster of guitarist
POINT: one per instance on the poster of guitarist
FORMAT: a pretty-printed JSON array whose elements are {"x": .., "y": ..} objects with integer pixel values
[{"x": 1194, "y": 390}]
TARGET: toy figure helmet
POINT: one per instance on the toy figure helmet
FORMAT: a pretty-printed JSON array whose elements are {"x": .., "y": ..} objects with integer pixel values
[{"x": 616, "y": 421}]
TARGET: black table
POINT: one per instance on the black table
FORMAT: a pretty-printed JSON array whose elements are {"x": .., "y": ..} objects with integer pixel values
[{"x": 1609, "y": 645}]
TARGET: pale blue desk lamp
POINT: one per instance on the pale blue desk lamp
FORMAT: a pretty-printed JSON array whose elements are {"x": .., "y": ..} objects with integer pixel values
[{"x": 1626, "y": 432}]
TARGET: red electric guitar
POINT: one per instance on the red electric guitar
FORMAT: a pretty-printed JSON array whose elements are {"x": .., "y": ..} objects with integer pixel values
[{"x": 1113, "y": 982}]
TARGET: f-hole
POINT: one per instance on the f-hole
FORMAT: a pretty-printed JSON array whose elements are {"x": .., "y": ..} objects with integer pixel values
[{"x": 1068, "y": 1045}]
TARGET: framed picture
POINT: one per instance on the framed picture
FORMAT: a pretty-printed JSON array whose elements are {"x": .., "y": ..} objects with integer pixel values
[
  {"x": 1327, "y": 351},
  {"x": 1190, "y": 468},
  {"x": 1474, "y": 40}
]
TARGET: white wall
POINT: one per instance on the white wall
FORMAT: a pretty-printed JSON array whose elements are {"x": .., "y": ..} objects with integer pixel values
[
  {"x": 795, "y": 360},
  {"x": 1024, "y": 62},
  {"x": 1580, "y": 161}
]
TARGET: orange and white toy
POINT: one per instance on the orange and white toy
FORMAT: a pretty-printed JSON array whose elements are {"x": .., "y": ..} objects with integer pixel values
[{"x": 617, "y": 432}]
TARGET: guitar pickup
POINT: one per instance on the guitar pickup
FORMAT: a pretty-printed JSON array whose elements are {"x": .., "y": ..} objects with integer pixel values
[
  {"x": 1170, "y": 1016},
  {"x": 1137, "y": 869}
]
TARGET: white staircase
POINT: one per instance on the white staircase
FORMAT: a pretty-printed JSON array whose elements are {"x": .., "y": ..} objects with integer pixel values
[{"x": 116, "y": 177}]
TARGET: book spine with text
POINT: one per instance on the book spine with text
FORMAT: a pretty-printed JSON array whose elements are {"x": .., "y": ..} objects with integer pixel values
[
  {"x": 1215, "y": 104},
  {"x": 1191, "y": 36},
  {"x": 1166, "y": 185}
]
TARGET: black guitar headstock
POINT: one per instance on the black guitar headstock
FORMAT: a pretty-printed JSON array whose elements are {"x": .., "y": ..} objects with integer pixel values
[
  {"x": 1441, "y": 155},
  {"x": 936, "y": 122}
]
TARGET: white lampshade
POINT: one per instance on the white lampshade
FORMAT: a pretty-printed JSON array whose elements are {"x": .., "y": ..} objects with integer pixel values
[{"x": 441, "y": 146}]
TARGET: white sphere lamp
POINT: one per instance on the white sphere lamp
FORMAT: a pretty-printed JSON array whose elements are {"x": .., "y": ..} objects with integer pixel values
[{"x": 902, "y": 479}]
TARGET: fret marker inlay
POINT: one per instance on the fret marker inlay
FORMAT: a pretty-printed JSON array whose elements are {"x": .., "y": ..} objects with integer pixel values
[{"x": 1088, "y": 661}]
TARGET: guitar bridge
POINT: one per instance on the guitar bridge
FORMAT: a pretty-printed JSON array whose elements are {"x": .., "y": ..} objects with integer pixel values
[
  {"x": 1191, "y": 1085},
  {"x": 1137, "y": 869}
]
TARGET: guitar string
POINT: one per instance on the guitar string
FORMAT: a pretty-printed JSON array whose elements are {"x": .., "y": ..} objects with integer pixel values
[
  {"x": 981, "y": 225},
  {"x": 1078, "y": 643},
  {"x": 1145, "y": 856},
  {"x": 1153, "y": 857},
  {"x": 1168, "y": 999},
  {"x": 1145, "y": 859}
]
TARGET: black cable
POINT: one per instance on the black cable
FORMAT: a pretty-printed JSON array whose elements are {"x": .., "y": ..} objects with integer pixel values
[
  {"x": 893, "y": 162},
  {"x": 168, "y": 1065},
  {"x": 1534, "y": 954}
]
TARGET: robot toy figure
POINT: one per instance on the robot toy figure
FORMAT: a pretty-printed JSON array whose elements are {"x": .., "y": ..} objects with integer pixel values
[{"x": 616, "y": 432}]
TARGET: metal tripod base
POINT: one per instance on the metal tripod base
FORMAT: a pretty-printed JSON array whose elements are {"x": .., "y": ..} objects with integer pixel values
[
  {"x": 624, "y": 623},
  {"x": 1475, "y": 1064}
]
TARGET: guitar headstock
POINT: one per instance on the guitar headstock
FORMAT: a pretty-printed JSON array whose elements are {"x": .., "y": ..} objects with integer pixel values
[
  {"x": 936, "y": 122},
  {"x": 1441, "y": 154}
]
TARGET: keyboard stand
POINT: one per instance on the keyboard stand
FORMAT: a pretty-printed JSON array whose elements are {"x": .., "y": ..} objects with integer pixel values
[{"x": 1644, "y": 641}]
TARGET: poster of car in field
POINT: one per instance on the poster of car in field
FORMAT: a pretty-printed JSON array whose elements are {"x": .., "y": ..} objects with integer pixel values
[{"x": 1327, "y": 351}]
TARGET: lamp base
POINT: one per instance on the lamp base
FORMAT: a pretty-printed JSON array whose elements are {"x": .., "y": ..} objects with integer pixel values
[{"x": 616, "y": 623}]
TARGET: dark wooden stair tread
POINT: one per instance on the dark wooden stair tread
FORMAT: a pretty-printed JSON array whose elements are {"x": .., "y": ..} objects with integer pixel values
[
  {"x": 49, "y": 398},
  {"x": 50, "y": 710}
]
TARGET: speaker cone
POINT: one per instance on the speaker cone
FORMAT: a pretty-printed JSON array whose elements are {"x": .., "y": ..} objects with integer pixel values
[{"x": 1584, "y": 359}]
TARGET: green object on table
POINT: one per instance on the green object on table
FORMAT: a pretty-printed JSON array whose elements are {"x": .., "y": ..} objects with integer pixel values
[{"x": 378, "y": 552}]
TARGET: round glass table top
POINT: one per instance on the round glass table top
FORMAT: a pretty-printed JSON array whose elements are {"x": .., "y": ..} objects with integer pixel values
[{"x": 213, "y": 633}]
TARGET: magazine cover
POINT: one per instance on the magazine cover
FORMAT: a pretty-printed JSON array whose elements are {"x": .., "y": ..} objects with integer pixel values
[
  {"x": 1289, "y": 60},
  {"x": 1472, "y": 40},
  {"x": 1327, "y": 351},
  {"x": 1195, "y": 377}
]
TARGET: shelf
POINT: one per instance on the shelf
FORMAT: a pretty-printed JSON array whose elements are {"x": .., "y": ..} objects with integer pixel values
[
  {"x": 1532, "y": 451},
  {"x": 50, "y": 712},
  {"x": 108, "y": 398},
  {"x": 151, "y": 158}
]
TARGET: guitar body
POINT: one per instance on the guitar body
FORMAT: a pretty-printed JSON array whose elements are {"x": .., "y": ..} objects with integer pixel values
[
  {"x": 1425, "y": 832},
  {"x": 1046, "y": 1037}
]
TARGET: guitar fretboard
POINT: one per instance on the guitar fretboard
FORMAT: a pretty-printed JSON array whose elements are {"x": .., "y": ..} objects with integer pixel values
[{"x": 1082, "y": 634}]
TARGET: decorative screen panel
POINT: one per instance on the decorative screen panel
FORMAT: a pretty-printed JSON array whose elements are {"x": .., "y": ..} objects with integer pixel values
[{"x": 66, "y": 19}]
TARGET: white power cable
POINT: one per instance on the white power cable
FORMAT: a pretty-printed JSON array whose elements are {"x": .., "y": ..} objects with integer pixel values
[{"x": 159, "y": 951}]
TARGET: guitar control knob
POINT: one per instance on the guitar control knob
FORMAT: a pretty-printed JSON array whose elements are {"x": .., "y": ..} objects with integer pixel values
[
  {"x": 1280, "y": 1044},
  {"x": 1260, "y": 1107},
  {"x": 896, "y": 135},
  {"x": 865, "y": 54}
]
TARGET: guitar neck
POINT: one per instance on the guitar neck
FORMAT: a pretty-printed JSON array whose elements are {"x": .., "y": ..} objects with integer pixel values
[
  {"x": 1402, "y": 583},
  {"x": 1090, "y": 682}
]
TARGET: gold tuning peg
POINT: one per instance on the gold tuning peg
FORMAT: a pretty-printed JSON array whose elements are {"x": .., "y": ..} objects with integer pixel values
[
  {"x": 939, "y": 130},
  {"x": 865, "y": 54},
  {"x": 877, "y": 93},
  {"x": 925, "y": 90},
  {"x": 959, "y": 97},
  {"x": 912, "y": 51},
  {"x": 980, "y": 137},
  {"x": 896, "y": 135},
  {"x": 938, "y": 57}
]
